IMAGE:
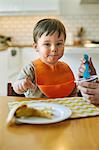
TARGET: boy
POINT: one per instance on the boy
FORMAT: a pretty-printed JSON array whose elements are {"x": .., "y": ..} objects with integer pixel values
[{"x": 47, "y": 76}]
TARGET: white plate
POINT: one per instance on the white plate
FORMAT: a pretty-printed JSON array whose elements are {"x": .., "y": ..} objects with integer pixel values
[{"x": 60, "y": 113}]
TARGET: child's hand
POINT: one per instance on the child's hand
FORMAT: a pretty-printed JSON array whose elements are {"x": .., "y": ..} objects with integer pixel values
[
  {"x": 82, "y": 68},
  {"x": 23, "y": 85}
]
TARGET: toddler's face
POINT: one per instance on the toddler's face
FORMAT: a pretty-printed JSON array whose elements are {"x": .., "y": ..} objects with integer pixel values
[{"x": 50, "y": 48}]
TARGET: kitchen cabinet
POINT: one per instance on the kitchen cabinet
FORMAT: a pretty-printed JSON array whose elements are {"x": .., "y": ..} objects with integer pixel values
[
  {"x": 29, "y": 54},
  {"x": 40, "y": 5},
  {"x": 29, "y": 7},
  {"x": 3, "y": 72},
  {"x": 10, "y": 65},
  {"x": 81, "y": 50},
  {"x": 74, "y": 7},
  {"x": 8, "y": 6}
]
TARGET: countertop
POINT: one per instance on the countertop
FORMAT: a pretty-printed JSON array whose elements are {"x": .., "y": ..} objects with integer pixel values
[{"x": 71, "y": 47}]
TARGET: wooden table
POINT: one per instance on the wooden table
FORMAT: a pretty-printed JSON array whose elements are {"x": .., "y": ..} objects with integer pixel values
[{"x": 75, "y": 134}]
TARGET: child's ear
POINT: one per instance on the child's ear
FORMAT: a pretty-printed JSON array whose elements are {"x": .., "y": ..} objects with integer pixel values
[{"x": 35, "y": 46}]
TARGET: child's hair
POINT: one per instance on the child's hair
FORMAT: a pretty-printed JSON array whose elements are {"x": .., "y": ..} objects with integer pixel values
[{"x": 49, "y": 26}]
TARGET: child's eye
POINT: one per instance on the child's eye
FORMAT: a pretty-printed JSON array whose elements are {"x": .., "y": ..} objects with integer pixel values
[
  {"x": 47, "y": 44},
  {"x": 59, "y": 44}
]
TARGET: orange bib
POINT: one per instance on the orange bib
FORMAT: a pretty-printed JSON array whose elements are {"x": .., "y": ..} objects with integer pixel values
[{"x": 54, "y": 82}]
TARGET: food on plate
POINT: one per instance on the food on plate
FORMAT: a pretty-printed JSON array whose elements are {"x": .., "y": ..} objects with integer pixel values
[{"x": 25, "y": 111}]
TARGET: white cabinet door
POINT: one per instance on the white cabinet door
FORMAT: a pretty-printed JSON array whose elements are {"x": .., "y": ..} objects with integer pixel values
[
  {"x": 14, "y": 62},
  {"x": 40, "y": 5},
  {"x": 74, "y": 7},
  {"x": 26, "y": 7},
  {"x": 28, "y": 54},
  {"x": 3, "y": 72},
  {"x": 11, "y": 6}
]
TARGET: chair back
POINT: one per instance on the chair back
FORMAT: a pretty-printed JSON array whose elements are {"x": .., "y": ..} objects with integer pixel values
[{"x": 11, "y": 92}]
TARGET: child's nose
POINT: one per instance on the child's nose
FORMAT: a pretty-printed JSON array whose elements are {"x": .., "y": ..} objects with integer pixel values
[{"x": 53, "y": 48}]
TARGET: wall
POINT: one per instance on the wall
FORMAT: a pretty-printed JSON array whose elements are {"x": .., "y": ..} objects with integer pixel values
[
  {"x": 89, "y": 22},
  {"x": 3, "y": 73},
  {"x": 20, "y": 27}
]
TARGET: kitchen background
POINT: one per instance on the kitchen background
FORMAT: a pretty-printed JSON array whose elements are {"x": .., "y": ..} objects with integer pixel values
[
  {"x": 81, "y": 22},
  {"x": 20, "y": 27}
]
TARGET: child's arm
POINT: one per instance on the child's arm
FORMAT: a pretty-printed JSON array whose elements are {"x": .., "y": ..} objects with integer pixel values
[
  {"x": 25, "y": 80},
  {"x": 21, "y": 86}
]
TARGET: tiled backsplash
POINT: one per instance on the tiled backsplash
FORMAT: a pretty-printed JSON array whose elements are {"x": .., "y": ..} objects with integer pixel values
[
  {"x": 20, "y": 27},
  {"x": 89, "y": 22}
]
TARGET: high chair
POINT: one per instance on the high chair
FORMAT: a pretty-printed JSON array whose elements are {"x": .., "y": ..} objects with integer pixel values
[{"x": 11, "y": 92}]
